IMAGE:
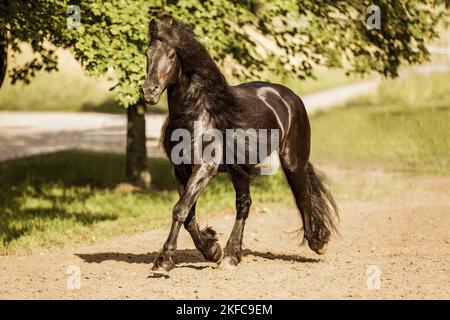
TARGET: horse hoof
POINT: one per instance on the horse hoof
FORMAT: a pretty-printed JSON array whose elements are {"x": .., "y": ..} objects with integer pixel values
[
  {"x": 319, "y": 248},
  {"x": 215, "y": 253},
  {"x": 163, "y": 266},
  {"x": 228, "y": 263},
  {"x": 159, "y": 270}
]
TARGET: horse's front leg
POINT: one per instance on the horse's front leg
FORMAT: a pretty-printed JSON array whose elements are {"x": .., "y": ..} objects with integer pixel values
[
  {"x": 201, "y": 175},
  {"x": 205, "y": 240}
]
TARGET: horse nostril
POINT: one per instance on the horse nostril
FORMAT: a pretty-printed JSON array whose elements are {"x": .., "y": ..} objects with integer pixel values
[{"x": 155, "y": 89}]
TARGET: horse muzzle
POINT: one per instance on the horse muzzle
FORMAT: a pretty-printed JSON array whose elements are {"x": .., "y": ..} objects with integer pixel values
[
  {"x": 151, "y": 99},
  {"x": 151, "y": 95}
]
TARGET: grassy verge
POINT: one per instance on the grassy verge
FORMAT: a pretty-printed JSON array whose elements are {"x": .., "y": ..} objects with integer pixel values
[
  {"x": 404, "y": 126},
  {"x": 69, "y": 198}
]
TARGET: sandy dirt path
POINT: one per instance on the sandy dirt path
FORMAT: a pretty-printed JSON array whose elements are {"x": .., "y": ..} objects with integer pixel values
[{"x": 398, "y": 223}]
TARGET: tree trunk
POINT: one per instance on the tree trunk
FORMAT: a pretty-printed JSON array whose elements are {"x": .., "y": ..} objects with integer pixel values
[
  {"x": 136, "y": 158},
  {"x": 3, "y": 56}
]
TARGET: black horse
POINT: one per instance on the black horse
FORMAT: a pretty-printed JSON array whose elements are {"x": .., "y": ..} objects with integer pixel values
[{"x": 197, "y": 91}]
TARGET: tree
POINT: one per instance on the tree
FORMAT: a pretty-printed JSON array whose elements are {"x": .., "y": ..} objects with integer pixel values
[
  {"x": 3, "y": 56},
  {"x": 260, "y": 37},
  {"x": 28, "y": 21},
  {"x": 112, "y": 35}
]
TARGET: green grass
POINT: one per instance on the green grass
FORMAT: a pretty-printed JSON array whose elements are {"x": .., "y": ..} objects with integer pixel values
[
  {"x": 404, "y": 126},
  {"x": 69, "y": 198}
]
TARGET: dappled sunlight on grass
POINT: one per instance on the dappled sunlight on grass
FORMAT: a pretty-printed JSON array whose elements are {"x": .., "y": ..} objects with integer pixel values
[{"x": 68, "y": 198}]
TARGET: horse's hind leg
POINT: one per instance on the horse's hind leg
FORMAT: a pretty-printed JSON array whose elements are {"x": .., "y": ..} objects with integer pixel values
[
  {"x": 297, "y": 179},
  {"x": 233, "y": 250},
  {"x": 314, "y": 201}
]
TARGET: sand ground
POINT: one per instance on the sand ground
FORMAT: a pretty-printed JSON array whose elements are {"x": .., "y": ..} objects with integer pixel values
[{"x": 394, "y": 227}]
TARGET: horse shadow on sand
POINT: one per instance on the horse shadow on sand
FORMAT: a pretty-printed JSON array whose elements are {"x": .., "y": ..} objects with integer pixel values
[{"x": 185, "y": 258}]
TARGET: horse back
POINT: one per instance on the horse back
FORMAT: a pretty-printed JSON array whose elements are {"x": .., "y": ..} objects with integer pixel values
[{"x": 272, "y": 105}]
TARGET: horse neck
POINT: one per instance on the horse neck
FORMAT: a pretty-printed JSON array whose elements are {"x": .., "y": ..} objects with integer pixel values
[
  {"x": 191, "y": 96},
  {"x": 183, "y": 98}
]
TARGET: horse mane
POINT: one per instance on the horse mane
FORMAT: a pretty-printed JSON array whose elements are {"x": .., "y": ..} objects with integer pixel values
[{"x": 206, "y": 78}]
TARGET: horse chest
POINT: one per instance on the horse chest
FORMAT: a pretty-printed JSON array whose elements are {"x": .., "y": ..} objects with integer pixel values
[{"x": 189, "y": 130}]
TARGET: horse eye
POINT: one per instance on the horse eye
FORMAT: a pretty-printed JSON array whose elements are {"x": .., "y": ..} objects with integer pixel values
[{"x": 171, "y": 55}]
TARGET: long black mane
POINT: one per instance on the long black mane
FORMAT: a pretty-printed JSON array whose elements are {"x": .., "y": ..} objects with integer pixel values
[{"x": 209, "y": 89}]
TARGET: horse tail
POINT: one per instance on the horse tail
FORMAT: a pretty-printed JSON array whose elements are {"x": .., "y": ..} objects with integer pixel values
[{"x": 324, "y": 210}]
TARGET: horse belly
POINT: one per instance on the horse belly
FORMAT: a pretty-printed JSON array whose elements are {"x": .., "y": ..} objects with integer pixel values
[{"x": 268, "y": 166}]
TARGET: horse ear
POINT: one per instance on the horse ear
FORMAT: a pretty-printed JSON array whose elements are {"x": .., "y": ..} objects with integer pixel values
[
  {"x": 153, "y": 27},
  {"x": 167, "y": 20},
  {"x": 174, "y": 22}
]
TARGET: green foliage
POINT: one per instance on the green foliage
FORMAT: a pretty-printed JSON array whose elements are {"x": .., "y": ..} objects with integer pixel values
[
  {"x": 35, "y": 22},
  {"x": 113, "y": 34},
  {"x": 67, "y": 89}
]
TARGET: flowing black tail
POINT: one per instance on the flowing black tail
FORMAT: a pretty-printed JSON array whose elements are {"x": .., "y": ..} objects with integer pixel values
[{"x": 324, "y": 211}]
